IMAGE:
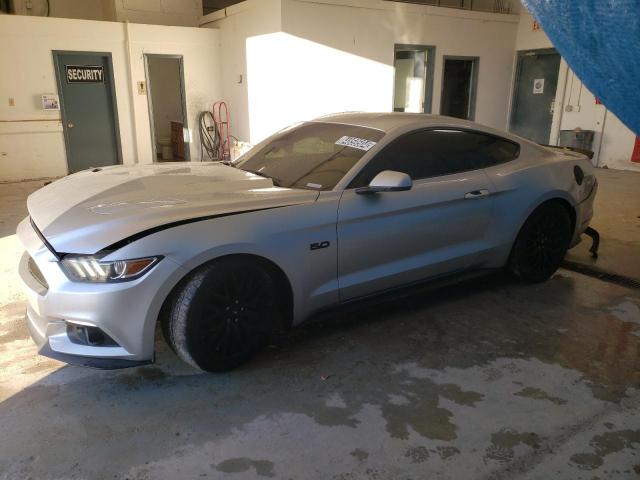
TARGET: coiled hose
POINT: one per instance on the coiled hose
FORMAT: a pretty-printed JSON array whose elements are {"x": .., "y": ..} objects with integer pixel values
[{"x": 209, "y": 139}]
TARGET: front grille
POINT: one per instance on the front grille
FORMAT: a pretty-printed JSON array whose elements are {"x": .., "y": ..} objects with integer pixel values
[{"x": 36, "y": 273}]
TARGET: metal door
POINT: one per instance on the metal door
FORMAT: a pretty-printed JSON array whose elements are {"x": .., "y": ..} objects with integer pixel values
[
  {"x": 88, "y": 108},
  {"x": 391, "y": 239},
  {"x": 534, "y": 94}
]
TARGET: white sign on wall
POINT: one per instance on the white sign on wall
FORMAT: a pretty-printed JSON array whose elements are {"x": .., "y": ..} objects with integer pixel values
[
  {"x": 50, "y": 102},
  {"x": 538, "y": 86}
]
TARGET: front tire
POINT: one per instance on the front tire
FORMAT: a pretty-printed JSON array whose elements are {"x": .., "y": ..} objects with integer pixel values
[
  {"x": 221, "y": 314},
  {"x": 542, "y": 243}
]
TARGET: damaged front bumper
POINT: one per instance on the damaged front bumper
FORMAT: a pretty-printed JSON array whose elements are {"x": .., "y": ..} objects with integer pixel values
[{"x": 94, "y": 325}]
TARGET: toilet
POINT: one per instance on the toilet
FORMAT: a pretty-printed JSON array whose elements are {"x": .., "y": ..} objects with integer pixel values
[{"x": 165, "y": 148}]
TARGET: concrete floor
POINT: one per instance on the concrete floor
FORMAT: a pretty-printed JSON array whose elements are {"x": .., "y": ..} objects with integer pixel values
[{"x": 487, "y": 379}]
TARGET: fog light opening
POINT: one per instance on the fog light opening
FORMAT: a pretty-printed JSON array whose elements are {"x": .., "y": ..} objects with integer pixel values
[{"x": 89, "y": 336}]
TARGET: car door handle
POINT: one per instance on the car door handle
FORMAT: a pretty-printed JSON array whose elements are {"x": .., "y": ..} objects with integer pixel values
[{"x": 476, "y": 194}]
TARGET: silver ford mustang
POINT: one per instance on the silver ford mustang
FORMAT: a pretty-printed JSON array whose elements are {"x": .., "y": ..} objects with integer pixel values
[{"x": 224, "y": 255}]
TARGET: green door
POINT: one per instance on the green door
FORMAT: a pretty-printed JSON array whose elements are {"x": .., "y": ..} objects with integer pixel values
[
  {"x": 534, "y": 94},
  {"x": 88, "y": 108}
]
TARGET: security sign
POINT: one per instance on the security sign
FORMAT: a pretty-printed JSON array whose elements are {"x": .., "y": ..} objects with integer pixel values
[{"x": 84, "y": 74}]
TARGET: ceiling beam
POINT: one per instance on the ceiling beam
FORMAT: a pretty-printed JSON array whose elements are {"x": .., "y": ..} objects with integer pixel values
[{"x": 212, "y": 5}]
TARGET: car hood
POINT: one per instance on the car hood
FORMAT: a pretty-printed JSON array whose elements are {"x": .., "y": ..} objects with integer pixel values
[{"x": 91, "y": 210}]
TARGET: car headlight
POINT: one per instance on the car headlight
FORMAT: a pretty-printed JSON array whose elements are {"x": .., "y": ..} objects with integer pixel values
[{"x": 94, "y": 270}]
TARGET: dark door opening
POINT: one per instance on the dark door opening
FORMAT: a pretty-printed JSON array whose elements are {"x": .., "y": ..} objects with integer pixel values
[
  {"x": 459, "y": 83},
  {"x": 413, "y": 89},
  {"x": 88, "y": 109},
  {"x": 534, "y": 94},
  {"x": 167, "y": 107}
]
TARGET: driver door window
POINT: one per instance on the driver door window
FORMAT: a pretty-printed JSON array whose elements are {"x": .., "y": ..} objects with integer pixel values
[{"x": 434, "y": 153}]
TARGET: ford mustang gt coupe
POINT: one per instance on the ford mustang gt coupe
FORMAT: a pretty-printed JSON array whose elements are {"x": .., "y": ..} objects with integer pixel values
[{"x": 224, "y": 254}]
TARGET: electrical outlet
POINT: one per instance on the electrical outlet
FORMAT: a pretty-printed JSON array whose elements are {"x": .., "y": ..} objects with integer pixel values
[{"x": 12, "y": 102}]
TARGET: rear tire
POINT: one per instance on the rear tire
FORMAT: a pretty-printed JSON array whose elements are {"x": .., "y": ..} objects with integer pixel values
[
  {"x": 542, "y": 243},
  {"x": 221, "y": 314}
]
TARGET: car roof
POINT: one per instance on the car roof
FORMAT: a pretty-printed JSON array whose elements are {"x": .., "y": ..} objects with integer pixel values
[{"x": 390, "y": 121}]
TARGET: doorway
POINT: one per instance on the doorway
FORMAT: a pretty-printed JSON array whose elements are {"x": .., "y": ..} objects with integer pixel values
[
  {"x": 459, "y": 86},
  {"x": 88, "y": 109},
  {"x": 167, "y": 107},
  {"x": 534, "y": 94},
  {"x": 413, "y": 89}
]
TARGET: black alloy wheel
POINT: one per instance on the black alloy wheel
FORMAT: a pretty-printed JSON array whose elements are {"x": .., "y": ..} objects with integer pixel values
[
  {"x": 542, "y": 243},
  {"x": 223, "y": 314}
]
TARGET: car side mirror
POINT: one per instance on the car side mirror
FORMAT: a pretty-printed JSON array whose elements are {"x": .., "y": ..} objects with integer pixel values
[{"x": 387, "y": 181}]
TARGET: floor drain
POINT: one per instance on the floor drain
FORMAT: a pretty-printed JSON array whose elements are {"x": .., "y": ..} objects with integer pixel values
[{"x": 603, "y": 275}]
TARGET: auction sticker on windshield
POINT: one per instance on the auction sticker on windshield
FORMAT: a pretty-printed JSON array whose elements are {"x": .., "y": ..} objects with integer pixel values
[{"x": 354, "y": 142}]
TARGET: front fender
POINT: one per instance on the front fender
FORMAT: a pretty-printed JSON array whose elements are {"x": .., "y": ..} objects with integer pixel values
[{"x": 282, "y": 237}]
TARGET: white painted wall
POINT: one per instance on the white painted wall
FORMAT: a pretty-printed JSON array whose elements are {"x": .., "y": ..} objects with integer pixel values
[
  {"x": 337, "y": 55},
  {"x": 31, "y": 140},
  {"x": 617, "y": 145},
  {"x": 614, "y": 142},
  {"x": 291, "y": 60},
  {"x": 528, "y": 38},
  {"x": 237, "y": 24},
  {"x": 370, "y": 32},
  {"x": 201, "y": 58},
  {"x": 275, "y": 62}
]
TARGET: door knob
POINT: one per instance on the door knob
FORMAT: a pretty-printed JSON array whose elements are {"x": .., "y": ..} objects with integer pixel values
[{"x": 70, "y": 125}]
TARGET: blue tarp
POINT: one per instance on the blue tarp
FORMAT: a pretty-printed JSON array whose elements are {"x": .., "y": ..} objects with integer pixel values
[{"x": 600, "y": 40}]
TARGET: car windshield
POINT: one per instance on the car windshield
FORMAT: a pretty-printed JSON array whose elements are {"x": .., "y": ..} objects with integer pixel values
[{"x": 313, "y": 156}]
